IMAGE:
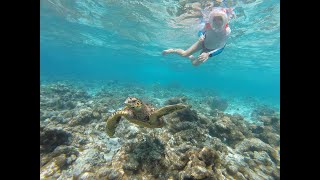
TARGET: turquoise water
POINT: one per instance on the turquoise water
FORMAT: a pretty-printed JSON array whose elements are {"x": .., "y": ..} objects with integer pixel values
[{"x": 123, "y": 40}]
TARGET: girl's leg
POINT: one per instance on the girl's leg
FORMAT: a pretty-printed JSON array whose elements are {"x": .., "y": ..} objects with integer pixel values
[{"x": 185, "y": 53}]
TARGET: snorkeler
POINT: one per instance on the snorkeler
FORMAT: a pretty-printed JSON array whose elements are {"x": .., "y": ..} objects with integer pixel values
[{"x": 212, "y": 39}]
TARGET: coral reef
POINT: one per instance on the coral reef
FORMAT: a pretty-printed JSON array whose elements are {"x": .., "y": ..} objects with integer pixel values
[{"x": 193, "y": 144}]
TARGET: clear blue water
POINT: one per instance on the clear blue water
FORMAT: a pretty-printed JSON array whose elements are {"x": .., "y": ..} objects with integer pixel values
[{"x": 123, "y": 40}]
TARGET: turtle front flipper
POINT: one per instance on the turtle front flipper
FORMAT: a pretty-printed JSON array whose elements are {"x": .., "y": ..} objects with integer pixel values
[
  {"x": 114, "y": 120},
  {"x": 164, "y": 111}
]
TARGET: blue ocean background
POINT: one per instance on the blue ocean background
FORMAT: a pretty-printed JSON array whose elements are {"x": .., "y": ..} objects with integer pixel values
[{"x": 92, "y": 40}]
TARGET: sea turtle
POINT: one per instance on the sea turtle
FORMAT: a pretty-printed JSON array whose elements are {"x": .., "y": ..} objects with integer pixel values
[{"x": 141, "y": 114}]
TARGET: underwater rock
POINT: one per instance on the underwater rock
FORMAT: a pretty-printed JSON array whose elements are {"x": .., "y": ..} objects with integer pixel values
[
  {"x": 239, "y": 176},
  {"x": 217, "y": 103},
  {"x": 237, "y": 117},
  {"x": 180, "y": 126},
  {"x": 132, "y": 132},
  {"x": 232, "y": 170},
  {"x": 87, "y": 176},
  {"x": 114, "y": 175},
  {"x": 254, "y": 144},
  {"x": 70, "y": 152},
  {"x": 175, "y": 100},
  {"x": 71, "y": 159},
  {"x": 192, "y": 145},
  {"x": 265, "y": 119},
  {"x": 84, "y": 116},
  {"x": 148, "y": 150},
  {"x": 127, "y": 130},
  {"x": 50, "y": 138},
  {"x": 46, "y": 114},
  {"x": 67, "y": 150},
  {"x": 276, "y": 127},
  {"x": 256, "y": 129},
  {"x": 186, "y": 115},
  {"x": 174, "y": 161},
  {"x": 199, "y": 172},
  {"x": 199, "y": 161},
  {"x": 79, "y": 140},
  {"x": 104, "y": 92},
  {"x": 103, "y": 172},
  {"x": 241, "y": 124},
  {"x": 131, "y": 165},
  {"x": 270, "y": 138},
  {"x": 216, "y": 144},
  {"x": 204, "y": 120},
  {"x": 96, "y": 115},
  {"x": 139, "y": 156},
  {"x": 227, "y": 131},
  {"x": 100, "y": 108},
  {"x": 61, "y": 96},
  {"x": 207, "y": 156},
  {"x": 80, "y": 94},
  {"x": 266, "y": 134},
  {"x": 276, "y": 173},
  {"x": 53, "y": 168},
  {"x": 59, "y": 88},
  {"x": 193, "y": 136},
  {"x": 262, "y": 157},
  {"x": 263, "y": 110},
  {"x": 59, "y": 119},
  {"x": 87, "y": 160}
]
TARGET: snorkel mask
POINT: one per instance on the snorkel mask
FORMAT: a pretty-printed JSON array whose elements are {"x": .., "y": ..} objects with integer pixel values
[{"x": 218, "y": 19}]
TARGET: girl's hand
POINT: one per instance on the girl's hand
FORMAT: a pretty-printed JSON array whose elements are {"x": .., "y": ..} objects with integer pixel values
[
  {"x": 201, "y": 39},
  {"x": 203, "y": 57}
]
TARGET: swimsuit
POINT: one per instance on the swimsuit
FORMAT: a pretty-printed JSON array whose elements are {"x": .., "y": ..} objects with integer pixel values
[{"x": 214, "y": 51}]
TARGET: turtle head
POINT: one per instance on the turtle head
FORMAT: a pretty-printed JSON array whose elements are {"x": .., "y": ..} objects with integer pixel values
[{"x": 133, "y": 103}]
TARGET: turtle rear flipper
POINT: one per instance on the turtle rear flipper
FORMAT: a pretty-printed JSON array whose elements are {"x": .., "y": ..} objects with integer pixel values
[
  {"x": 113, "y": 122},
  {"x": 165, "y": 110}
]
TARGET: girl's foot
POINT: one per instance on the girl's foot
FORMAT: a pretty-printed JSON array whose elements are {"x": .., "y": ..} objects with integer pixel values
[{"x": 168, "y": 51}]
